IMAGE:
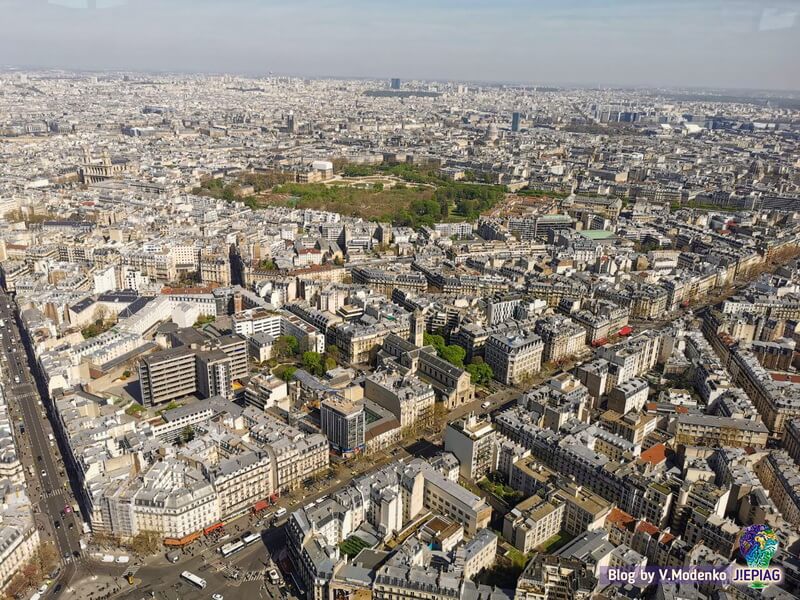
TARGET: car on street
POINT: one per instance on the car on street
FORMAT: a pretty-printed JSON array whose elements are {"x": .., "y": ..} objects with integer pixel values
[
  {"x": 217, "y": 597},
  {"x": 273, "y": 576},
  {"x": 57, "y": 524},
  {"x": 44, "y": 473},
  {"x": 486, "y": 405}
]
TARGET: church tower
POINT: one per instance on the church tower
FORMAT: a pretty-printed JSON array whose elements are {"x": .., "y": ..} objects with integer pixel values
[{"x": 417, "y": 329}]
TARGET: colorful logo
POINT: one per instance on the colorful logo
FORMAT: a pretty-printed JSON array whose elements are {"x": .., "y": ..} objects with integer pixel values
[{"x": 757, "y": 545}]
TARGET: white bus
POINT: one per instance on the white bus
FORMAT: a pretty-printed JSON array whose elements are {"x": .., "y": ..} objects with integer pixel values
[
  {"x": 231, "y": 548},
  {"x": 192, "y": 578},
  {"x": 250, "y": 538}
]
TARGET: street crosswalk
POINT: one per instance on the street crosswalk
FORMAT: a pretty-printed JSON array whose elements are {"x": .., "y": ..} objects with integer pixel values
[
  {"x": 72, "y": 560},
  {"x": 240, "y": 577}
]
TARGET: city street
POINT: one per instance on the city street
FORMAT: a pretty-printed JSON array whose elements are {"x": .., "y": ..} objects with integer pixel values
[{"x": 48, "y": 486}]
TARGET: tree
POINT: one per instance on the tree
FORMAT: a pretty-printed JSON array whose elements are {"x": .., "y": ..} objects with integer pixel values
[
  {"x": 47, "y": 557},
  {"x": 313, "y": 363},
  {"x": 145, "y": 542},
  {"x": 436, "y": 341},
  {"x": 187, "y": 435},
  {"x": 454, "y": 355},
  {"x": 31, "y": 573},
  {"x": 100, "y": 314},
  {"x": 267, "y": 265},
  {"x": 288, "y": 373},
  {"x": 16, "y": 586},
  {"x": 332, "y": 353},
  {"x": 481, "y": 373},
  {"x": 286, "y": 346}
]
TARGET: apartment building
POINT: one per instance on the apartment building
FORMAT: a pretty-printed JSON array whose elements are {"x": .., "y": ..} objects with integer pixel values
[
  {"x": 532, "y": 522},
  {"x": 547, "y": 577},
  {"x": 171, "y": 498},
  {"x": 295, "y": 456},
  {"x": 628, "y": 396},
  {"x": 723, "y": 432},
  {"x": 791, "y": 439},
  {"x": 631, "y": 358},
  {"x": 167, "y": 375},
  {"x": 780, "y": 476},
  {"x": 196, "y": 364},
  {"x": 562, "y": 338},
  {"x": 386, "y": 501},
  {"x": 264, "y": 391},
  {"x": 474, "y": 443},
  {"x": 19, "y": 535},
  {"x": 514, "y": 356},
  {"x": 451, "y": 500},
  {"x": 386, "y": 281},
  {"x": 344, "y": 424},
  {"x": 402, "y": 393},
  {"x": 241, "y": 481},
  {"x": 777, "y": 399},
  {"x": 257, "y": 320}
]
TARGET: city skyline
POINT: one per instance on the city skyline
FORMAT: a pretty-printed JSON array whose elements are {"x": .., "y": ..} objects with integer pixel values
[
  {"x": 368, "y": 300},
  {"x": 628, "y": 43}
]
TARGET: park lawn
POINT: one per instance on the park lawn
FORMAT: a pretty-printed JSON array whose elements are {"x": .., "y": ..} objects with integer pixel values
[
  {"x": 555, "y": 543},
  {"x": 370, "y": 204},
  {"x": 517, "y": 558}
]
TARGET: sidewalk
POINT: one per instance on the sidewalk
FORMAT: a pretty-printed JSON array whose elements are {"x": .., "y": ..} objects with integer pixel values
[{"x": 95, "y": 587}]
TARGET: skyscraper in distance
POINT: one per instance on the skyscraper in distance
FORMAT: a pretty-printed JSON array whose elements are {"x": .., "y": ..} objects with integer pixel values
[
  {"x": 515, "y": 121},
  {"x": 395, "y": 83}
]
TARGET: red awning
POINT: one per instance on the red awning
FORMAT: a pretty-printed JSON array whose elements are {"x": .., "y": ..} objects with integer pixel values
[
  {"x": 626, "y": 330},
  {"x": 600, "y": 342},
  {"x": 260, "y": 505},
  {"x": 185, "y": 540},
  {"x": 213, "y": 528}
]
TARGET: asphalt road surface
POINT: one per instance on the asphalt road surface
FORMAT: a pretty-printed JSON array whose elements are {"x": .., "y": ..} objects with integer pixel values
[{"x": 44, "y": 470}]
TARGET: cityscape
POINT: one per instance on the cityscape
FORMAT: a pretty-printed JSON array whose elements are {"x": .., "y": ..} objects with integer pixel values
[{"x": 355, "y": 338}]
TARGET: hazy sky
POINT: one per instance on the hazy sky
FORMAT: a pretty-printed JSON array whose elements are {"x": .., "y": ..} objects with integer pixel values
[{"x": 707, "y": 43}]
